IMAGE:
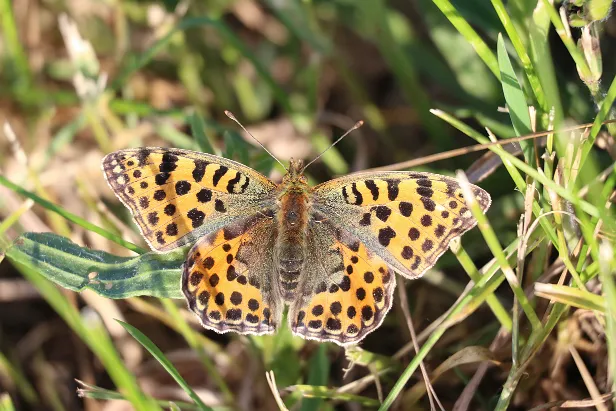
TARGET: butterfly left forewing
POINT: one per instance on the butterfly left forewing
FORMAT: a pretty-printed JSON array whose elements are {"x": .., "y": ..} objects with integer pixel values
[
  {"x": 176, "y": 195},
  {"x": 407, "y": 218}
]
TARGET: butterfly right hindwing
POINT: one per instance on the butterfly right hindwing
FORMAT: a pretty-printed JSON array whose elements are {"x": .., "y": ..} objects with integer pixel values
[{"x": 345, "y": 290}]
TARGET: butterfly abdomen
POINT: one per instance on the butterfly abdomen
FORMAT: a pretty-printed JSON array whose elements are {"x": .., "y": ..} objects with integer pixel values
[{"x": 291, "y": 244}]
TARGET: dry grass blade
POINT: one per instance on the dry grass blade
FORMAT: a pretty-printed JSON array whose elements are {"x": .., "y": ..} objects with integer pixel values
[
  {"x": 271, "y": 382},
  {"x": 404, "y": 304},
  {"x": 476, "y": 147},
  {"x": 588, "y": 379},
  {"x": 587, "y": 403}
]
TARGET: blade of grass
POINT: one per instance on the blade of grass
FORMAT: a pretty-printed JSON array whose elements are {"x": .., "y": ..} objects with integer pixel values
[
  {"x": 607, "y": 273},
  {"x": 514, "y": 96},
  {"x": 469, "y": 34},
  {"x": 492, "y": 241},
  {"x": 94, "y": 337},
  {"x": 490, "y": 280},
  {"x": 71, "y": 217},
  {"x": 164, "y": 361},
  {"x": 520, "y": 48},
  {"x": 192, "y": 340}
]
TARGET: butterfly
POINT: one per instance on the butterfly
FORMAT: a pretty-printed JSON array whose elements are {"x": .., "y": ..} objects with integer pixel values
[{"x": 328, "y": 252}]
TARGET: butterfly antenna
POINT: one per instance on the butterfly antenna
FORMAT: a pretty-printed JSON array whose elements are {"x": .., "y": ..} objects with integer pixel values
[
  {"x": 232, "y": 117},
  {"x": 355, "y": 127}
]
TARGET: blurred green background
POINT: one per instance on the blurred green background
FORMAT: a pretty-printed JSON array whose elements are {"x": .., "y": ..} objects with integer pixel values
[{"x": 80, "y": 79}]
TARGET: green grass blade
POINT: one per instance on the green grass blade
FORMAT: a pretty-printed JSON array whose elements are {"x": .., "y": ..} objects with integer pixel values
[
  {"x": 96, "y": 338},
  {"x": 571, "y": 296},
  {"x": 514, "y": 96},
  {"x": 197, "y": 126},
  {"x": 317, "y": 376},
  {"x": 523, "y": 55},
  {"x": 469, "y": 34},
  {"x": 71, "y": 217},
  {"x": 164, "y": 361}
]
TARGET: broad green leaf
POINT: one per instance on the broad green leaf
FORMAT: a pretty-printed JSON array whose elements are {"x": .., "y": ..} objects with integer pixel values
[{"x": 78, "y": 268}]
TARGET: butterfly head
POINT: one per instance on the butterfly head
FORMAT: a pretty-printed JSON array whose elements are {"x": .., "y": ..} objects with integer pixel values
[
  {"x": 295, "y": 179},
  {"x": 295, "y": 171}
]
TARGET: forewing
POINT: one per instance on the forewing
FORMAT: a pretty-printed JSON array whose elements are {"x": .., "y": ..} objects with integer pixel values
[
  {"x": 227, "y": 278},
  {"x": 345, "y": 289},
  {"x": 407, "y": 218},
  {"x": 177, "y": 196}
]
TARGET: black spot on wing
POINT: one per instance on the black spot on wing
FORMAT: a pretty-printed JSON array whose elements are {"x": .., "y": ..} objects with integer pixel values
[
  {"x": 245, "y": 185},
  {"x": 392, "y": 189},
  {"x": 218, "y": 174},
  {"x": 359, "y": 199},
  {"x": 383, "y": 212},
  {"x": 161, "y": 178},
  {"x": 385, "y": 235},
  {"x": 169, "y": 163},
  {"x": 374, "y": 190},
  {"x": 142, "y": 156},
  {"x": 199, "y": 170},
  {"x": 196, "y": 216},
  {"x": 233, "y": 182}
]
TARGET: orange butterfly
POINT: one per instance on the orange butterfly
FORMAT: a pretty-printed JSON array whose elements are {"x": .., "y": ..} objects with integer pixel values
[{"x": 329, "y": 252}]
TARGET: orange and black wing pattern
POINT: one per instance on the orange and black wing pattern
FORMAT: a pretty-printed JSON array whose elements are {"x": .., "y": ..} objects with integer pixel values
[
  {"x": 177, "y": 196},
  {"x": 228, "y": 278},
  {"x": 345, "y": 290}
]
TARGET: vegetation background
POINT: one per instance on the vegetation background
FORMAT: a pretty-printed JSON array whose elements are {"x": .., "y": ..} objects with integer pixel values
[{"x": 521, "y": 315}]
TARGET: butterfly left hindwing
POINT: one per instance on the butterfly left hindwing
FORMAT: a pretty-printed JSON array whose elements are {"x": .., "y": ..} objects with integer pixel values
[{"x": 227, "y": 278}]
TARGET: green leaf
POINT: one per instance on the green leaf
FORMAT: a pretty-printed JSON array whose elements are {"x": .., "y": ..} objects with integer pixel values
[
  {"x": 79, "y": 268},
  {"x": 514, "y": 96},
  {"x": 164, "y": 361}
]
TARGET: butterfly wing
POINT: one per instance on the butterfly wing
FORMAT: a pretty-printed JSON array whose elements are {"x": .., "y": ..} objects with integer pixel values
[
  {"x": 177, "y": 196},
  {"x": 345, "y": 290},
  {"x": 227, "y": 278},
  {"x": 407, "y": 218}
]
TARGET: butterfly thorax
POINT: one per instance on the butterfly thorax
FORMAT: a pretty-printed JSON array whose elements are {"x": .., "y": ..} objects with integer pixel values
[{"x": 292, "y": 228}]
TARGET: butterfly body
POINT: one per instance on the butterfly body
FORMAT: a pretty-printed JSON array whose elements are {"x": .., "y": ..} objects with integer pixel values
[
  {"x": 328, "y": 252},
  {"x": 293, "y": 219}
]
